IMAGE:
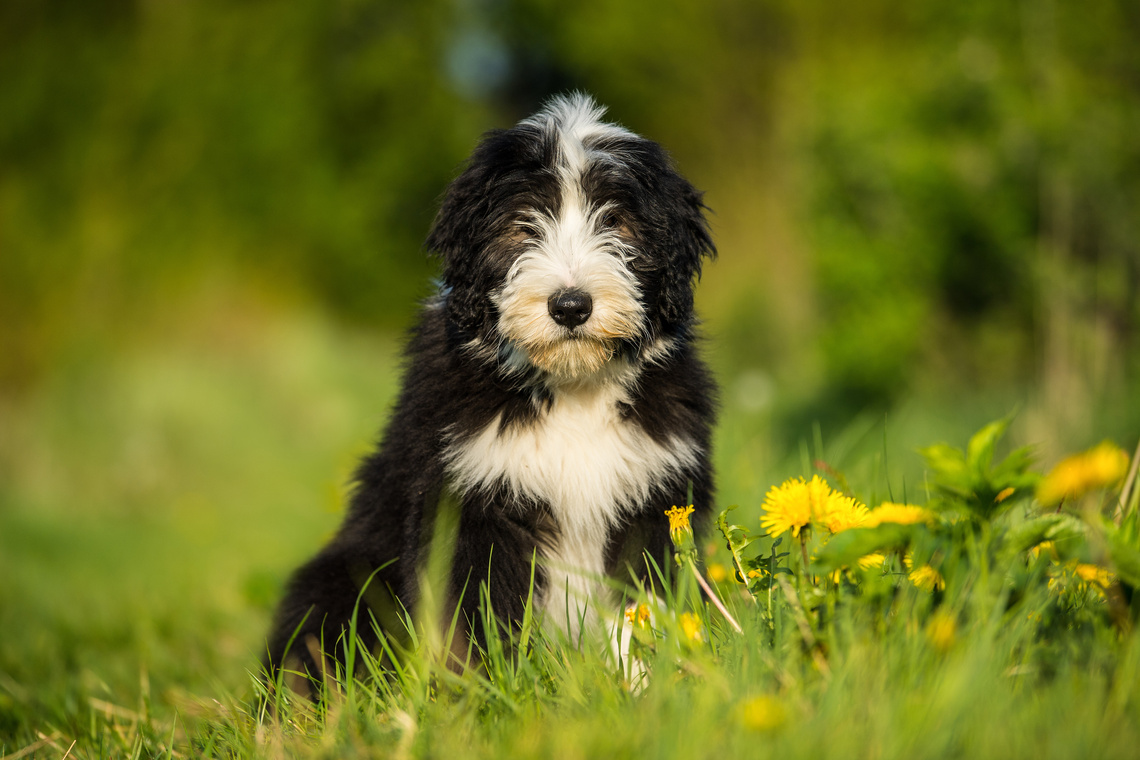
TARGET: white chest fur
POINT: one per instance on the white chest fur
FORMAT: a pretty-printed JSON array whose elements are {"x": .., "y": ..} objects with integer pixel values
[{"x": 588, "y": 465}]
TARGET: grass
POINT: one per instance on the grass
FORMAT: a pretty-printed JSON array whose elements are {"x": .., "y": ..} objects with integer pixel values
[{"x": 151, "y": 504}]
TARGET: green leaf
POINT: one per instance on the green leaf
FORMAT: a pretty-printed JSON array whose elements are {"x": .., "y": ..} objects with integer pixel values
[
  {"x": 1125, "y": 555},
  {"x": 1056, "y": 527},
  {"x": 968, "y": 478},
  {"x": 846, "y": 548},
  {"x": 1015, "y": 465},
  {"x": 980, "y": 449},
  {"x": 945, "y": 460}
]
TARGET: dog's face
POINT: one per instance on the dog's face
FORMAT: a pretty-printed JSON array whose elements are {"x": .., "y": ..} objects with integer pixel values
[{"x": 569, "y": 243}]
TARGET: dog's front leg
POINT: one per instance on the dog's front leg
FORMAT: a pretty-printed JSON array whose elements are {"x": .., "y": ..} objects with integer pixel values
[{"x": 495, "y": 550}]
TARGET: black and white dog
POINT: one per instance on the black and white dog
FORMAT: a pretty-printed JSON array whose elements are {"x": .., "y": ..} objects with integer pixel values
[{"x": 552, "y": 391}]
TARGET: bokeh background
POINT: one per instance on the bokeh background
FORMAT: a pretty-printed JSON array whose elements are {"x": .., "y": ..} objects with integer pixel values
[{"x": 211, "y": 225}]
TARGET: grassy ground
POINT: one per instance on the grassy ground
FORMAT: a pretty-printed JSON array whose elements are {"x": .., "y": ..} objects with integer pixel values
[{"x": 152, "y": 504}]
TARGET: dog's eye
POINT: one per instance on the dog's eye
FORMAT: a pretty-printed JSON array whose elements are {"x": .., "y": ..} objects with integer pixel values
[
  {"x": 520, "y": 233},
  {"x": 612, "y": 222}
]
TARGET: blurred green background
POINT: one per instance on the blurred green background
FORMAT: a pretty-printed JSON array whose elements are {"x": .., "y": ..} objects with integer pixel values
[
  {"x": 929, "y": 198},
  {"x": 211, "y": 217}
]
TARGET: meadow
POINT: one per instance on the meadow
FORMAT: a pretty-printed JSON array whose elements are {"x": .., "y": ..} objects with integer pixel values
[
  {"x": 211, "y": 227},
  {"x": 154, "y": 503}
]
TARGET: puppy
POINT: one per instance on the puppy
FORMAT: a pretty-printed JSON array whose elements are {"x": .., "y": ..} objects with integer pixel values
[{"x": 552, "y": 392}]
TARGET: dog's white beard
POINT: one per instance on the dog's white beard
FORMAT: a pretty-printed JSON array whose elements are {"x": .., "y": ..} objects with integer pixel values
[{"x": 571, "y": 358}]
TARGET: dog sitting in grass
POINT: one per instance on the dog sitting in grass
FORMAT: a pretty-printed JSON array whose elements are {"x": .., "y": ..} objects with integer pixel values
[{"x": 552, "y": 393}]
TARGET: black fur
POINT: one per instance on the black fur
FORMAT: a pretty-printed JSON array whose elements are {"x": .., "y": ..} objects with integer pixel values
[{"x": 452, "y": 389}]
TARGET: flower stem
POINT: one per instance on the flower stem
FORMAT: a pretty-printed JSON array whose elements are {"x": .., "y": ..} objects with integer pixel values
[
  {"x": 1126, "y": 501},
  {"x": 805, "y": 628},
  {"x": 803, "y": 553},
  {"x": 715, "y": 599}
]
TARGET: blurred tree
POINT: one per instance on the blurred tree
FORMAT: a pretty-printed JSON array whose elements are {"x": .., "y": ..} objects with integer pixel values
[
  {"x": 970, "y": 173},
  {"x": 145, "y": 145},
  {"x": 904, "y": 194}
]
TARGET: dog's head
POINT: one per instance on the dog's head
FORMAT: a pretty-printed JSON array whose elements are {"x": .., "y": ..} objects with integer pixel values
[{"x": 568, "y": 243}]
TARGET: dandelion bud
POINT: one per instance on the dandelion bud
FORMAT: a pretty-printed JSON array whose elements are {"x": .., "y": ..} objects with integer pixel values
[
  {"x": 679, "y": 529},
  {"x": 942, "y": 631},
  {"x": 692, "y": 627},
  {"x": 763, "y": 713}
]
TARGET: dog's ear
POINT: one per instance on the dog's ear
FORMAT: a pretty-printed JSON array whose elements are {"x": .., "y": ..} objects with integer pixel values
[
  {"x": 478, "y": 209},
  {"x": 687, "y": 244},
  {"x": 460, "y": 232},
  {"x": 675, "y": 230}
]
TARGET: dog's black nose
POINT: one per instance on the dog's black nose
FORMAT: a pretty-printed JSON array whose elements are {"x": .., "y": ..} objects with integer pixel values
[{"x": 570, "y": 308}]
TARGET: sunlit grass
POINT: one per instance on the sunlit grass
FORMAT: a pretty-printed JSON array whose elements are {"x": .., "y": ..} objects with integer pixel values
[{"x": 151, "y": 505}]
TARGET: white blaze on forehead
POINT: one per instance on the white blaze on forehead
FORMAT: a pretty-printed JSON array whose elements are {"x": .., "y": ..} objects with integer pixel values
[
  {"x": 577, "y": 120},
  {"x": 572, "y": 250}
]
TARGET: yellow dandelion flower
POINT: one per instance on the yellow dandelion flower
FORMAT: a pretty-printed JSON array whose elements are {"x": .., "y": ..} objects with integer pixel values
[
  {"x": 679, "y": 527},
  {"x": 903, "y": 514},
  {"x": 787, "y": 507},
  {"x": 763, "y": 713},
  {"x": 717, "y": 572},
  {"x": 1100, "y": 467},
  {"x": 927, "y": 578},
  {"x": 1094, "y": 574},
  {"x": 942, "y": 630},
  {"x": 692, "y": 627},
  {"x": 924, "y": 577},
  {"x": 868, "y": 561},
  {"x": 1044, "y": 546},
  {"x": 795, "y": 504},
  {"x": 1004, "y": 494},
  {"x": 841, "y": 513},
  {"x": 637, "y": 614}
]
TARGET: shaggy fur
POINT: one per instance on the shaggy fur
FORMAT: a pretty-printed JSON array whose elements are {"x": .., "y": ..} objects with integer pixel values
[{"x": 552, "y": 391}]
